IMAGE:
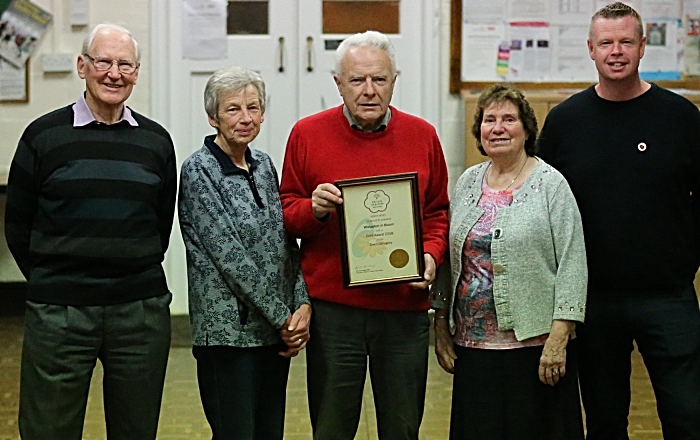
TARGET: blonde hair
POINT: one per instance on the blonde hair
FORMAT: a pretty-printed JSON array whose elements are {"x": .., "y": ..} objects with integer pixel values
[{"x": 617, "y": 10}]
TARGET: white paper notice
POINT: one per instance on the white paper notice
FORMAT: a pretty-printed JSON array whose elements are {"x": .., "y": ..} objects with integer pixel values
[
  {"x": 479, "y": 11},
  {"x": 79, "y": 12},
  {"x": 530, "y": 51},
  {"x": 572, "y": 12},
  {"x": 664, "y": 50},
  {"x": 691, "y": 60},
  {"x": 204, "y": 29},
  {"x": 669, "y": 9},
  {"x": 12, "y": 82},
  {"x": 480, "y": 51},
  {"x": 538, "y": 10},
  {"x": 570, "y": 60}
]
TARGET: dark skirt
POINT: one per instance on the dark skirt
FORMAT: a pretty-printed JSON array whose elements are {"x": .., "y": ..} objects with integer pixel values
[{"x": 497, "y": 395}]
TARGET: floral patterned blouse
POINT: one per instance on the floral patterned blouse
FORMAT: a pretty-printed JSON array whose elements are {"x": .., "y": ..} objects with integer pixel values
[
  {"x": 243, "y": 270},
  {"x": 475, "y": 311}
]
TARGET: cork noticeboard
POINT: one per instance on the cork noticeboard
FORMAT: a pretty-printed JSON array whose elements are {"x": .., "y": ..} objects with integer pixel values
[{"x": 679, "y": 27}]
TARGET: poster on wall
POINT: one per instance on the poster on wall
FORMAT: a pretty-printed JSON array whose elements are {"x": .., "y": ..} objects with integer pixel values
[
  {"x": 204, "y": 29},
  {"x": 691, "y": 54},
  {"x": 547, "y": 39},
  {"x": 21, "y": 27},
  {"x": 13, "y": 82},
  {"x": 663, "y": 57}
]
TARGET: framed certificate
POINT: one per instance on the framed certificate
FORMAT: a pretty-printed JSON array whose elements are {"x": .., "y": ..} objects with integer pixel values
[{"x": 380, "y": 230}]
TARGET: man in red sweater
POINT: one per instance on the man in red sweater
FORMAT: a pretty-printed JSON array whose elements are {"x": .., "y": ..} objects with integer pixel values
[{"x": 385, "y": 324}]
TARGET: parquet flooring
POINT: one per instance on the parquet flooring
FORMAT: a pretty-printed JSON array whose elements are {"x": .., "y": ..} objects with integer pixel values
[{"x": 182, "y": 417}]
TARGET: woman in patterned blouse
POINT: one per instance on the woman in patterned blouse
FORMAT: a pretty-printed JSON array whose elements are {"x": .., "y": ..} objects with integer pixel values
[{"x": 249, "y": 307}]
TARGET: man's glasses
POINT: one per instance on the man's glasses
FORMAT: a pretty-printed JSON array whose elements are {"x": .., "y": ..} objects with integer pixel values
[{"x": 125, "y": 67}]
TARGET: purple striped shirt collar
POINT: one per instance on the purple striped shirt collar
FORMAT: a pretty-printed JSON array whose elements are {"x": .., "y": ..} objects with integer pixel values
[{"x": 82, "y": 115}]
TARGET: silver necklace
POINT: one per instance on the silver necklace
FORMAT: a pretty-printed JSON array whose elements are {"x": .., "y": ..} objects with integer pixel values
[{"x": 488, "y": 174}]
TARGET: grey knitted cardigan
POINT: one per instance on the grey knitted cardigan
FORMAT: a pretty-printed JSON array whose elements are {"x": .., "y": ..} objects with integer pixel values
[{"x": 538, "y": 252}]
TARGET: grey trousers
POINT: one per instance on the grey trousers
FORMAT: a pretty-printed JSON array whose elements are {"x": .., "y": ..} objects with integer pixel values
[{"x": 61, "y": 347}]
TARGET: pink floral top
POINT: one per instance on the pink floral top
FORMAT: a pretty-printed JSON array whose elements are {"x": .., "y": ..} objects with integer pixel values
[{"x": 475, "y": 311}]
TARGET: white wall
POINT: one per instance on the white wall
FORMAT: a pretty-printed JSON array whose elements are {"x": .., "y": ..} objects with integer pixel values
[
  {"x": 451, "y": 126},
  {"x": 50, "y": 91}
]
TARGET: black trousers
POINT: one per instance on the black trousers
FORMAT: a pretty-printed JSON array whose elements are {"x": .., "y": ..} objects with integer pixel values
[
  {"x": 667, "y": 333},
  {"x": 344, "y": 340},
  {"x": 61, "y": 347},
  {"x": 243, "y": 391}
]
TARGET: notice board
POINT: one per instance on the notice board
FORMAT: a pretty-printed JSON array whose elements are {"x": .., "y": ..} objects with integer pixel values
[{"x": 542, "y": 43}]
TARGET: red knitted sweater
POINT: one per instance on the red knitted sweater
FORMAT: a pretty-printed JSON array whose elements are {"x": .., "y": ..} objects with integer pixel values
[{"x": 324, "y": 148}]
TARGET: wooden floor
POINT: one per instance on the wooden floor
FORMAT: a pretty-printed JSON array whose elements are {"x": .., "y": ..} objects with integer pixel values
[{"x": 182, "y": 417}]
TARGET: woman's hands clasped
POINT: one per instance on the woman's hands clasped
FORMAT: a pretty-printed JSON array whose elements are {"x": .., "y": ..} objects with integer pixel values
[{"x": 295, "y": 331}]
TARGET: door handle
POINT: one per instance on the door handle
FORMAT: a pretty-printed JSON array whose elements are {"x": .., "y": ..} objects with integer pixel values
[
  {"x": 281, "y": 41},
  {"x": 309, "y": 47}
]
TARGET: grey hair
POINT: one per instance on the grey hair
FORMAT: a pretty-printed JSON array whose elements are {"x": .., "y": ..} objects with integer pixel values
[
  {"x": 231, "y": 79},
  {"x": 372, "y": 39},
  {"x": 87, "y": 43}
]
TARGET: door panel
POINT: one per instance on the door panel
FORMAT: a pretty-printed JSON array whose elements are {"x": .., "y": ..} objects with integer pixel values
[
  {"x": 256, "y": 52},
  {"x": 317, "y": 90},
  {"x": 293, "y": 92},
  {"x": 303, "y": 86}
]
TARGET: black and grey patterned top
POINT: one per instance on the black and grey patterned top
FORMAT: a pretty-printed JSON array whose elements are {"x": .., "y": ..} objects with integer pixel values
[
  {"x": 243, "y": 269},
  {"x": 90, "y": 209}
]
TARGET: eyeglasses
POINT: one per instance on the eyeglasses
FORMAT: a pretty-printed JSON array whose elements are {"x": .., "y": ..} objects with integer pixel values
[{"x": 125, "y": 67}]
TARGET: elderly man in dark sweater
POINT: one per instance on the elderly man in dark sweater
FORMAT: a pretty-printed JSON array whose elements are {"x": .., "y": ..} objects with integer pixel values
[{"x": 90, "y": 205}]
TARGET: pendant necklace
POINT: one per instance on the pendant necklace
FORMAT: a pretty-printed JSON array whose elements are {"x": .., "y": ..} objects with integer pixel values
[{"x": 512, "y": 181}]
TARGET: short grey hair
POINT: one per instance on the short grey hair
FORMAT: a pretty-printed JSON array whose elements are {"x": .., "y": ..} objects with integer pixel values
[
  {"x": 231, "y": 79},
  {"x": 87, "y": 43},
  {"x": 371, "y": 39}
]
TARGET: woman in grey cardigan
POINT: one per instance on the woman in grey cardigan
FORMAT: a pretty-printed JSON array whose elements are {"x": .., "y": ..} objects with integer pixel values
[{"x": 513, "y": 287}]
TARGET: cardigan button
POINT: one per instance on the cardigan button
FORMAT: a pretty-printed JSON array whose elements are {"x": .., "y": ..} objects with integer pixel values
[{"x": 498, "y": 268}]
